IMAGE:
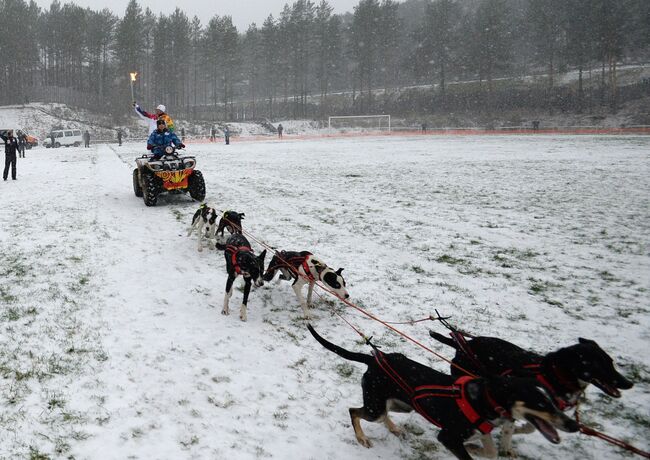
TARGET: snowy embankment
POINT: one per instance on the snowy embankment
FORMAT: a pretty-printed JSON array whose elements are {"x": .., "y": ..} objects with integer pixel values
[{"x": 112, "y": 344}]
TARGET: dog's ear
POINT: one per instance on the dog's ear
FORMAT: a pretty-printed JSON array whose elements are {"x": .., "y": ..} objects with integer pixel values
[
  {"x": 587, "y": 341},
  {"x": 338, "y": 272},
  {"x": 241, "y": 215},
  {"x": 262, "y": 256}
]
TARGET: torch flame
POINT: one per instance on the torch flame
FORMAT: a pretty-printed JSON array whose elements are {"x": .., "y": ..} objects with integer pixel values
[{"x": 133, "y": 75}]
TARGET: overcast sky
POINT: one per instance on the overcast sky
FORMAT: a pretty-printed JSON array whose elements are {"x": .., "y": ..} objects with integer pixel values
[{"x": 243, "y": 12}]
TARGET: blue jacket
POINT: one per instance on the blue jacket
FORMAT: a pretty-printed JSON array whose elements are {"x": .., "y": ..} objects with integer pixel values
[{"x": 158, "y": 141}]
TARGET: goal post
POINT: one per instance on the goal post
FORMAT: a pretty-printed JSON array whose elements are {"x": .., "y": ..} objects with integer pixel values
[{"x": 360, "y": 123}]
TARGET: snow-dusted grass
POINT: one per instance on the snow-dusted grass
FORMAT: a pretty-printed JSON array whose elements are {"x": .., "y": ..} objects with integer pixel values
[{"x": 112, "y": 344}]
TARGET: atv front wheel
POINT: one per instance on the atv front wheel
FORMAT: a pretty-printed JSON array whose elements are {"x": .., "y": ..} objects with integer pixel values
[
  {"x": 150, "y": 189},
  {"x": 136, "y": 184},
  {"x": 196, "y": 186}
]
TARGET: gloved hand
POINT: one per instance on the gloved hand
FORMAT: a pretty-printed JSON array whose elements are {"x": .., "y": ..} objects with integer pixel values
[
  {"x": 135, "y": 104},
  {"x": 181, "y": 146}
]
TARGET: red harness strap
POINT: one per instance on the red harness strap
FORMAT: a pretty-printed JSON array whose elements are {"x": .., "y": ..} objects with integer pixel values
[
  {"x": 456, "y": 391},
  {"x": 234, "y": 250},
  {"x": 305, "y": 267},
  {"x": 559, "y": 401}
]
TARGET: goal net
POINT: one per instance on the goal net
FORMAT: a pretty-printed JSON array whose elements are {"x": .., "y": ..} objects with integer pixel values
[{"x": 359, "y": 123}]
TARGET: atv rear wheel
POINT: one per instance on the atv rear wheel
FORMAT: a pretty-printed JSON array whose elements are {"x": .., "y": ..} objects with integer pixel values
[
  {"x": 196, "y": 186},
  {"x": 136, "y": 184},
  {"x": 150, "y": 189}
]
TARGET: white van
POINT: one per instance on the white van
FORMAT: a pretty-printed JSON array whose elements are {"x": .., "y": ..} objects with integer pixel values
[{"x": 64, "y": 138}]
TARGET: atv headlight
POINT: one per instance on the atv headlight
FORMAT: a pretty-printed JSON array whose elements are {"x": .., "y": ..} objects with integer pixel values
[{"x": 169, "y": 150}]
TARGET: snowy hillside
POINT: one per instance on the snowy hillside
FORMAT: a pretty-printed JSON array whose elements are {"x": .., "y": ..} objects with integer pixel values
[{"x": 112, "y": 344}]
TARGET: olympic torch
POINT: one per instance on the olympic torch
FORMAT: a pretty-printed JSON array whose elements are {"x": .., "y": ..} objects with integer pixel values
[{"x": 133, "y": 75}]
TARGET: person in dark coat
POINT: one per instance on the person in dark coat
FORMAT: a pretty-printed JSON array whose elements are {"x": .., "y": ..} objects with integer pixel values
[
  {"x": 52, "y": 140},
  {"x": 226, "y": 135},
  {"x": 86, "y": 138},
  {"x": 213, "y": 133},
  {"x": 119, "y": 137},
  {"x": 11, "y": 146},
  {"x": 280, "y": 129},
  {"x": 22, "y": 143}
]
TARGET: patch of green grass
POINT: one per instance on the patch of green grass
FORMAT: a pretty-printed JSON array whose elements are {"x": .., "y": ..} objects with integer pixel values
[
  {"x": 55, "y": 401},
  {"x": 301, "y": 362},
  {"x": 35, "y": 454},
  {"x": 450, "y": 260},
  {"x": 607, "y": 276},
  {"x": 178, "y": 215},
  {"x": 6, "y": 297},
  {"x": 194, "y": 439},
  {"x": 345, "y": 370}
]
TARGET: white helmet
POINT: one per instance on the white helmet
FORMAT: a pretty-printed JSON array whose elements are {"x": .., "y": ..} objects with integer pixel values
[{"x": 162, "y": 108}]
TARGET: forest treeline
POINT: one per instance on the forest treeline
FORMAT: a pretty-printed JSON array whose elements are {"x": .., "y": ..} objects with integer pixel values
[{"x": 310, "y": 62}]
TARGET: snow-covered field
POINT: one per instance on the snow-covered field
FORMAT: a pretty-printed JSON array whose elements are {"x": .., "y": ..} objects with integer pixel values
[{"x": 112, "y": 345}]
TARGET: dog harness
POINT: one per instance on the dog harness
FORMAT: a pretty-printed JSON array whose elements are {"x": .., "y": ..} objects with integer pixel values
[
  {"x": 535, "y": 368},
  {"x": 233, "y": 251},
  {"x": 294, "y": 262},
  {"x": 562, "y": 403},
  {"x": 455, "y": 391}
]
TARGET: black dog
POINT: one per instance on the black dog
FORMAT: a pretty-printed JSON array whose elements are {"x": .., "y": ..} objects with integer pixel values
[
  {"x": 564, "y": 373},
  {"x": 460, "y": 407},
  {"x": 240, "y": 260},
  {"x": 230, "y": 220}
]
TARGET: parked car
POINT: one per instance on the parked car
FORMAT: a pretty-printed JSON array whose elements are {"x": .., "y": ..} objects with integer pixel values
[
  {"x": 31, "y": 140},
  {"x": 64, "y": 138}
]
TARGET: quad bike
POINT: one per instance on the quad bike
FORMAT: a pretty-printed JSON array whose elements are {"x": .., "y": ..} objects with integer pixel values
[{"x": 171, "y": 173}]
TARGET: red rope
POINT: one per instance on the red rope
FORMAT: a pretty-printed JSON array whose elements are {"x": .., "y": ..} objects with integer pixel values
[
  {"x": 617, "y": 442},
  {"x": 361, "y": 310},
  {"x": 583, "y": 428}
]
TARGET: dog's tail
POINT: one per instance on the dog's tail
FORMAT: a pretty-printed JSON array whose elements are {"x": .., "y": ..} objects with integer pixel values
[
  {"x": 446, "y": 340},
  {"x": 343, "y": 353}
]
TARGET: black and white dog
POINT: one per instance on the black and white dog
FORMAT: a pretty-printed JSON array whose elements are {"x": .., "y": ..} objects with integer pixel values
[
  {"x": 463, "y": 407},
  {"x": 204, "y": 222},
  {"x": 240, "y": 260},
  {"x": 303, "y": 267}
]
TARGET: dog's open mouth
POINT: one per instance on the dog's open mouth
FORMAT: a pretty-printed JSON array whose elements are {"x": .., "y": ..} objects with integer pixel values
[
  {"x": 611, "y": 390},
  {"x": 545, "y": 428}
]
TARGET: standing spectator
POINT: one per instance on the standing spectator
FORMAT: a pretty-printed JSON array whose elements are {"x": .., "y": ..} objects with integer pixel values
[
  {"x": 213, "y": 132},
  {"x": 183, "y": 134},
  {"x": 119, "y": 137},
  {"x": 280, "y": 129},
  {"x": 226, "y": 135},
  {"x": 424, "y": 128},
  {"x": 11, "y": 145},
  {"x": 86, "y": 138},
  {"x": 535, "y": 125},
  {"x": 22, "y": 143},
  {"x": 52, "y": 140}
]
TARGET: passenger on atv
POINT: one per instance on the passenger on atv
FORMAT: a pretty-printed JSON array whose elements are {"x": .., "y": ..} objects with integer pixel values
[{"x": 161, "y": 138}]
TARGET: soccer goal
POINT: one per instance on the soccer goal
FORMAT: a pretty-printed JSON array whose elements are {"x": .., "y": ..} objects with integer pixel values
[{"x": 360, "y": 123}]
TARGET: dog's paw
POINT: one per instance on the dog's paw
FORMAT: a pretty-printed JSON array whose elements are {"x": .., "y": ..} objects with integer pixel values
[
  {"x": 225, "y": 312},
  {"x": 365, "y": 442},
  {"x": 201, "y": 249}
]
